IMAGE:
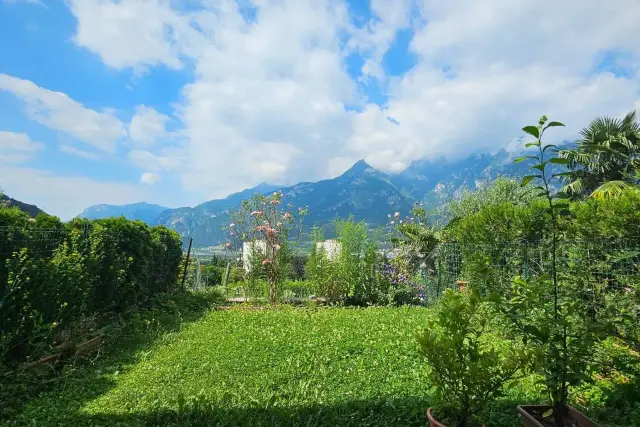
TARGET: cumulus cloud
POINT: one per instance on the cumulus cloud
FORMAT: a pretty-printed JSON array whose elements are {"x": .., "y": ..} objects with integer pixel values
[
  {"x": 149, "y": 178},
  {"x": 147, "y": 126},
  {"x": 269, "y": 89},
  {"x": 59, "y": 112},
  {"x": 131, "y": 33}
]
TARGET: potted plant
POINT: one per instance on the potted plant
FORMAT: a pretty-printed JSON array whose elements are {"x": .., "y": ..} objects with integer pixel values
[
  {"x": 468, "y": 370},
  {"x": 546, "y": 310}
]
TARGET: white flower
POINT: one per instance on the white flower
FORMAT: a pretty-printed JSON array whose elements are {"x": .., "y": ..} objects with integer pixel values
[
  {"x": 397, "y": 214},
  {"x": 393, "y": 222}
]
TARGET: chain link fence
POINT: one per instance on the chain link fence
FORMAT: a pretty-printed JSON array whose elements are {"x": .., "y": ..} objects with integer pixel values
[{"x": 600, "y": 267}]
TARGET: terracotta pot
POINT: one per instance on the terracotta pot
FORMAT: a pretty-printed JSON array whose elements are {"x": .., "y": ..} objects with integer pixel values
[
  {"x": 432, "y": 421},
  {"x": 529, "y": 420}
]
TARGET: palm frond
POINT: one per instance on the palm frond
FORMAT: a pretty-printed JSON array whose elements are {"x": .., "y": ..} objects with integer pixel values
[
  {"x": 574, "y": 187},
  {"x": 610, "y": 190}
]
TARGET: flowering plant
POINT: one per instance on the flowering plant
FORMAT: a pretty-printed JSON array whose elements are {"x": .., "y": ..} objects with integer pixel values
[{"x": 267, "y": 226}]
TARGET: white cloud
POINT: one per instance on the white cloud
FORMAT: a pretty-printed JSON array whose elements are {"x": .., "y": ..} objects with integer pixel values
[
  {"x": 59, "y": 112},
  {"x": 147, "y": 126},
  {"x": 69, "y": 149},
  {"x": 267, "y": 96},
  {"x": 13, "y": 141},
  {"x": 129, "y": 33},
  {"x": 149, "y": 178},
  {"x": 375, "y": 38},
  {"x": 65, "y": 196},
  {"x": 17, "y": 148},
  {"x": 149, "y": 161}
]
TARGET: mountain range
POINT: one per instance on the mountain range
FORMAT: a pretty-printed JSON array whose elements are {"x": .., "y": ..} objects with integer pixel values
[
  {"x": 362, "y": 191},
  {"x": 142, "y": 211},
  {"x": 31, "y": 210}
]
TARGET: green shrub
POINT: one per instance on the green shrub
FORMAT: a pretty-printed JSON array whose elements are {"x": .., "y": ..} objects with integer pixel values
[
  {"x": 53, "y": 273},
  {"x": 467, "y": 370},
  {"x": 298, "y": 289}
]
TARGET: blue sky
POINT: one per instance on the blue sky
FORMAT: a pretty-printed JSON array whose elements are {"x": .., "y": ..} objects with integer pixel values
[{"x": 178, "y": 102}]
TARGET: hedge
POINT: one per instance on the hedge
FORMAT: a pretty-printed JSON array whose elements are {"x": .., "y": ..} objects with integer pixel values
[{"x": 52, "y": 273}]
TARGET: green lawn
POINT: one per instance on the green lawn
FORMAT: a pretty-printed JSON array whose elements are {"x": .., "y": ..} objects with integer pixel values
[{"x": 324, "y": 367}]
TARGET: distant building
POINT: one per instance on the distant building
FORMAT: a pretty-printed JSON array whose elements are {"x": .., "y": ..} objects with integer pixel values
[
  {"x": 248, "y": 248},
  {"x": 331, "y": 248}
]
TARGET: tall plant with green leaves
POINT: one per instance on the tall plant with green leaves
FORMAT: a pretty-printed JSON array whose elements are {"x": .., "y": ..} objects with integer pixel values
[
  {"x": 544, "y": 309},
  {"x": 606, "y": 159}
]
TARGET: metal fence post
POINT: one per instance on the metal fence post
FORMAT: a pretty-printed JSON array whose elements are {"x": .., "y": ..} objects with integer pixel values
[{"x": 184, "y": 274}]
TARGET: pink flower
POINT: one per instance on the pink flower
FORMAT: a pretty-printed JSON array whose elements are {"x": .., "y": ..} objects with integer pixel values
[
  {"x": 397, "y": 214},
  {"x": 279, "y": 224},
  {"x": 266, "y": 261},
  {"x": 276, "y": 247},
  {"x": 256, "y": 213},
  {"x": 287, "y": 215},
  {"x": 228, "y": 244},
  {"x": 275, "y": 202},
  {"x": 271, "y": 232}
]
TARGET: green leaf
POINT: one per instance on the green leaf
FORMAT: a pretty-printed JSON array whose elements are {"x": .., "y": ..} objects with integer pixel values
[
  {"x": 527, "y": 179},
  {"x": 559, "y": 161},
  {"x": 520, "y": 159},
  {"x": 564, "y": 212},
  {"x": 532, "y": 144},
  {"x": 547, "y": 413},
  {"x": 554, "y": 124},
  {"x": 532, "y": 130},
  {"x": 563, "y": 174},
  {"x": 540, "y": 166}
]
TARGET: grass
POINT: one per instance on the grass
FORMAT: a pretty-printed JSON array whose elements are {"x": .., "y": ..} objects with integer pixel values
[{"x": 316, "y": 367}]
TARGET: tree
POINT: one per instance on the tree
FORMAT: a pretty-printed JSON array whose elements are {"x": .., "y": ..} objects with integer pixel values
[
  {"x": 501, "y": 190},
  {"x": 262, "y": 219},
  {"x": 606, "y": 159},
  {"x": 543, "y": 310}
]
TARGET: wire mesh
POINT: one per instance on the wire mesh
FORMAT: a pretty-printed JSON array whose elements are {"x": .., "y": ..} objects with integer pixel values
[{"x": 598, "y": 266}]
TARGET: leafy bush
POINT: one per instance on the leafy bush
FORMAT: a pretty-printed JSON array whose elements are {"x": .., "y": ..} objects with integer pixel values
[
  {"x": 467, "y": 369},
  {"x": 501, "y": 191},
  {"x": 51, "y": 276}
]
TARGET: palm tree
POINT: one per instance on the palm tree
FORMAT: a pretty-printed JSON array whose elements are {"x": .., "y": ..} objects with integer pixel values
[{"x": 606, "y": 159}]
